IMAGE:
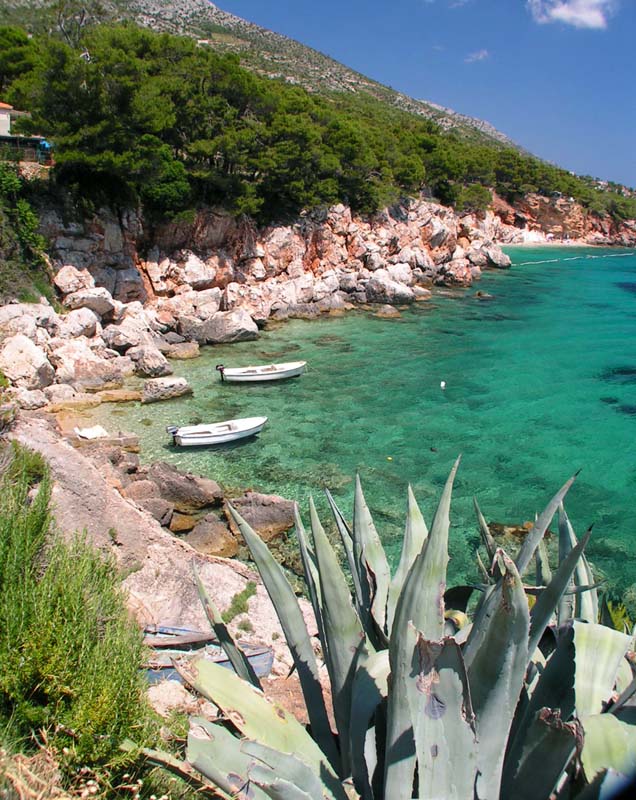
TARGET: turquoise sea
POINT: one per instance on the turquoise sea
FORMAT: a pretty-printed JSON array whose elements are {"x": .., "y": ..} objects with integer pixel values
[{"x": 540, "y": 382}]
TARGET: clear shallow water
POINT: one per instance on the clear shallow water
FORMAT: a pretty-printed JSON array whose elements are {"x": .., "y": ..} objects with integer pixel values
[{"x": 540, "y": 381}]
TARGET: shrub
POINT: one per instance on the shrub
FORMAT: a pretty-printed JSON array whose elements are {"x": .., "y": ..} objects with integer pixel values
[{"x": 69, "y": 654}]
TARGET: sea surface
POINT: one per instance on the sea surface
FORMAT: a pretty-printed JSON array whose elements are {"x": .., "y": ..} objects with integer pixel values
[{"x": 540, "y": 382}]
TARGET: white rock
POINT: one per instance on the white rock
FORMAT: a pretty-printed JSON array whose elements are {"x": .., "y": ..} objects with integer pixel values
[
  {"x": 197, "y": 273},
  {"x": 28, "y": 399},
  {"x": 401, "y": 273},
  {"x": 79, "y": 322},
  {"x": 24, "y": 363},
  {"x": 157, "y": 389},
  {"x": 69, "y": 279},
  {"x": 149, "y": 361},
  {"x": 98, "y": 300}
]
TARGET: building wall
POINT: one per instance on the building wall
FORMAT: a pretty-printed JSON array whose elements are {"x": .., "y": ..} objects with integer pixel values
[{"x": 5, "y": 123}]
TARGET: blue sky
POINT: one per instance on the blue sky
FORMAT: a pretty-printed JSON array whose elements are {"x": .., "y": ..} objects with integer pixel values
[{"x": 557, "y": 76}]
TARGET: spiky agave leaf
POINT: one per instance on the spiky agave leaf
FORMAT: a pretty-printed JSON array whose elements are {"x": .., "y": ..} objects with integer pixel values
[
  {"x": 253, "y": 715},
  {"x": 347, "y": 542},
  {"x": 343, "y": 632},
  {"x": 421, "y": 602},
  {"x": 484, "y": 530},
  {"x": 276, "y": 769},
  {"x": 608, "y": 743},
  {"x": 293, "y": 624},
  {"x": 586, "y": 604},
  {"x": 548, "y": 601},
  {"x": 443, "y": 723},
  {"x": 370, "y": 688},
  {"x": 237, "y": 657},
  {"x": 216, "y": 753},
  {"x": 496, "y": 673},
  {"x": 548, "y": 749},
  {"x": 415, "y": 533},
  {"x": 373, "y": 566}
]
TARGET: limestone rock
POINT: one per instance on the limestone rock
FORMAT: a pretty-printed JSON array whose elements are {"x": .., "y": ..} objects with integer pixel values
[
  {"x": 197, "y": 273},
  {"x": 78, "y": 364},
  {"x": 80, "y": 322},
  {"x": 223, "y": 327},
  {"x": 69, "y": 279},
  {"x": 149, "y": 362},
  {"x": 28, "y": 399},
  {"x": 212, "y": 537},
  {"x": 129, "y": 286},
  {"x": 156, "y": 389},
  {"x": 130, "y": 332},
  {"x": 381, "y": 288},
  {"x": 98, "y": 300},
  {"x": 183, "y": 351},
  {"x": 186, "y": 491},
  {"x": 268, "y": 514},
  {"x": 497, "y": 258},
  {"x": 25, "y": 364}
]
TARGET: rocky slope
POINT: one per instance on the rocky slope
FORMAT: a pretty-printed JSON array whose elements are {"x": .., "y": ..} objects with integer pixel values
[{"x": 268, "y": 53}]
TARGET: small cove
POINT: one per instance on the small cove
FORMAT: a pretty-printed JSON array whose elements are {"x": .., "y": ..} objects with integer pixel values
[{"x": 540, "y": 381}]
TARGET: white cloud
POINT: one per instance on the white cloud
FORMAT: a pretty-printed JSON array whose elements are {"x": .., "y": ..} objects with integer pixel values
[
  {"x": 592, "y": 14},
  {"x": 479, "y": 55}
]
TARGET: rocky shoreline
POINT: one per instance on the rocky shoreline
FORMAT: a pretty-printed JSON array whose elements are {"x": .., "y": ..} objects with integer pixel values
[{"x": 133, "y": 300}]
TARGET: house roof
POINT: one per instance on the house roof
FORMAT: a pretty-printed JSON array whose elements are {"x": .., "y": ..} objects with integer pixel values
[{"x": 5, "y": 107}]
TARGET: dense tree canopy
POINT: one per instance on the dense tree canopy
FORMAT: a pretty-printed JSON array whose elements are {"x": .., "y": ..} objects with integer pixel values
[{"x": 153, "y": 118}]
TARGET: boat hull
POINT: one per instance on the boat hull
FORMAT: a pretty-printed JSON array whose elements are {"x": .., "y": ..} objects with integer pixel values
[
  {"x": 265, "y": 372},
  {"x": 220, "y": 433}
]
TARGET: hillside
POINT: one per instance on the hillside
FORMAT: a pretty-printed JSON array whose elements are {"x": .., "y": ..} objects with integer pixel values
[{"x": 265, "y": 52}]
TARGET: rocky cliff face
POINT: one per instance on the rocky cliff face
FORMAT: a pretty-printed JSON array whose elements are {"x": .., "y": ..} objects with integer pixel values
[{"x": 539, "y": 218}]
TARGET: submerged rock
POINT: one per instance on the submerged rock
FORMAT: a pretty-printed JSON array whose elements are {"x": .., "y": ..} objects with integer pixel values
[{"x": 157, "y": 389}]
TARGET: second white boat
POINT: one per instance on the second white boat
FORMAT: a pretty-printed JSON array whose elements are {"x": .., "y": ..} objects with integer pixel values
[
  {"x": 217, "y": 433},
  {"x": 262, "y": 372}
]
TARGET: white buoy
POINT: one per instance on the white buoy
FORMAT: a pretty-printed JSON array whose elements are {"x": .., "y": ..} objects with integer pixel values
[{"x": 442, "y": 385}]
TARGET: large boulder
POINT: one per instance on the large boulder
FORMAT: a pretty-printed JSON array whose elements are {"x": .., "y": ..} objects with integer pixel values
[
  {"x": 129, "y": 286},
  {"x": 77, "y": 363},
  {"x": 222, "y": 327},
  {"x": 98, "y": 300},
  {"x": 497, "y": 258},
  {"x": 212, "y": 536},
  {"x": 25, "y": 364},
  {"x": 381, "y": 288},
  {"x": 157, "y": 389},
  {"x": 80, "y": 322},
  {"x": 198, "y": 273},
  {"x": 268, "y": 514},
  {"x": 149, "y": 362},
  {"x": 69, "y": 279},
  {"x": 185, "y": 491}
]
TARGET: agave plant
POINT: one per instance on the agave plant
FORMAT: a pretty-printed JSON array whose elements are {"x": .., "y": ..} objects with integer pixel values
[{"x": 520, "y": 702}]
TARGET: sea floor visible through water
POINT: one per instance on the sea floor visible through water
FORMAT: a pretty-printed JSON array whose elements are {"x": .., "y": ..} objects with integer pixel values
[{"x": 540, "y": 381}]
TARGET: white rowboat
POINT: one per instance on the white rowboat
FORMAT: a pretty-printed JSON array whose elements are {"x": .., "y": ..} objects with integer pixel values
[
  {"x": 217, "y": 432},
  {"x": 263, "y": 372}
]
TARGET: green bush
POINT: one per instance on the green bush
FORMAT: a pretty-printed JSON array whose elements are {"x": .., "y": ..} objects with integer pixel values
[{"x": 69, "y": 654}]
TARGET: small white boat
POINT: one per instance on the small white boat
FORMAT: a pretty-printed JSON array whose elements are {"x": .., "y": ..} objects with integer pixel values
[
  {"x": 262, "y": 372},
  {"x": 217, "y": 432}
]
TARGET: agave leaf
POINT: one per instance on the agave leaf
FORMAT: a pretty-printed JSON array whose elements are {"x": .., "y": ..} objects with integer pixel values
[
  {"x": 253, "y": 715},
  {"x": 531, "y": 541},
  {"x": 293, "y": 625},
  {"x": 607, "y": 785},
  {"x": 347, "y": 542},
  {"x": 216, "y": 753},
  {"x": 415, "y": 533},
  {"x": 373, "y": 565},
  {"x": 544, "y": 573},
  {"x": 183, "y": 770},
  {"x": 278, "y": 788},
  {"x": 483, "y": 571},
  {"x": 421, "y": 602},
  {"x": 599, "y": 652},
  {"x": 586, "y": 606},
  {"x": 285, "y": 766},
  {"x": 608, "y": 743},
  {"x": 486, "y": 535},
  {"x": 343, "y": 632},
  {"x": 370, "y": 687},
  {"x": 549, "y": 747},
  {"x": 442, "y": 719},
  {"x": 312, "y": 579},
  {"x": 549, "y": 598},
  {"x": 237, "y": 657},
  {"x": 496, "y": 674},
  {"x": 565, "y": 611}
]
